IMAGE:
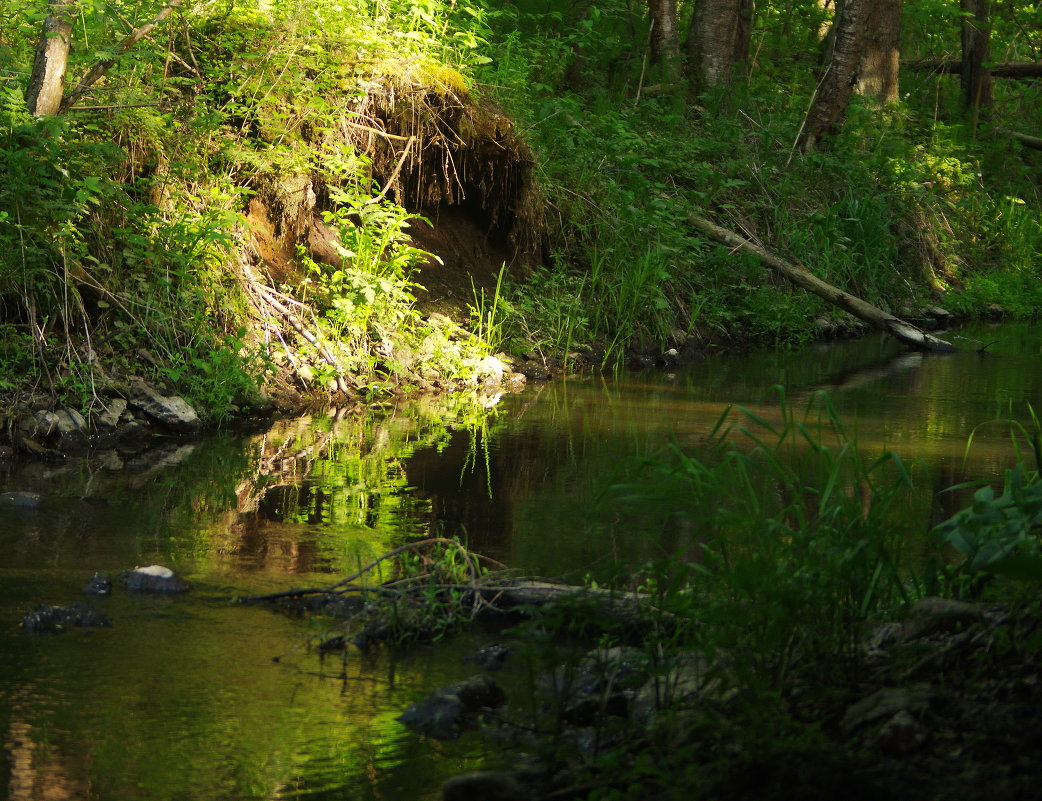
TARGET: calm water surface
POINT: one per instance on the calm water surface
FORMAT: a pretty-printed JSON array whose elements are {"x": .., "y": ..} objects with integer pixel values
[{"x": 183, "y": 697}]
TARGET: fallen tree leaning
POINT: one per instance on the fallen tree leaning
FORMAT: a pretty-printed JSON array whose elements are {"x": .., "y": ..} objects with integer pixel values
[{"x": 802, "y": 277}]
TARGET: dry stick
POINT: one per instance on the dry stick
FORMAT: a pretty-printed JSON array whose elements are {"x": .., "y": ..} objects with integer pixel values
[
  {"x": 109, "y": 108},
  {"x": 103, "y": 66},
  {"x": 806, "y": 116},
  {"x": 323, "y": 351},
  {"x": 801, "y": 276},
  {"x": 644, "y": 62},
  {"x": 377, "y": 131}
]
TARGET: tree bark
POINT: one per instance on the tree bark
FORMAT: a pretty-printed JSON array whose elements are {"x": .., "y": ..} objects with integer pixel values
[
  {"x": 833, "y": 93},
  {"x": 880, "y": 64},
  {"x": 665, "y": 40},
  {"x": 802, "y": 277},
  {"x": 47, "y": 82},
  {"x": 976, "y": 81},
  {"x": 718, "y": 37}
]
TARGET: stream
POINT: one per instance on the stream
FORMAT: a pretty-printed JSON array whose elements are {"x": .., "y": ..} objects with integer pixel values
[{"x": 192, "y": 697}]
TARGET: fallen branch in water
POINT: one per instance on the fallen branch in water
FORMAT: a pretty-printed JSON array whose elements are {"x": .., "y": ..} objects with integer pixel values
[{"x": 479, "y": 592}]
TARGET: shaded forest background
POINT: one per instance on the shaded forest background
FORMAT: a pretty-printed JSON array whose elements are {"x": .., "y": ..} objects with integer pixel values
[{"x": 230, "y": 195}]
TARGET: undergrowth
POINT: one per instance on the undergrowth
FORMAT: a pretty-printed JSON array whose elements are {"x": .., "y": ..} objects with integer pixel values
[{"x": 905, "y": 208}]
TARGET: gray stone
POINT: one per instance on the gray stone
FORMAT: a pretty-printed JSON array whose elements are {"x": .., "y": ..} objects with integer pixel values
[
  {"x": 930, "y": 616},
  {"x": 43, "y": 423},
  {"x": 98, "y": 584},
  {"x": 110, "y": 413},
  {"x": 534, "y": 371},
  {"x": 884, "y": 704},
  {"x": 689, "y": 677},
  {"x": 170, "y": 411},
  {"x": 492, "y": 657},
  {"x": 446, "y": 712},
  {"x": 70, "y": 423},
  {"x": 47, "y": 619},
  {"x": 111, "y": 461},
  {"x": 901, "y": 735},
  {"x": 147, "y": 580}
]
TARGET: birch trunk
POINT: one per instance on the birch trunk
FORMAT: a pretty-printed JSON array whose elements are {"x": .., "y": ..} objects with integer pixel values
[{"x": 47, "y": 82}]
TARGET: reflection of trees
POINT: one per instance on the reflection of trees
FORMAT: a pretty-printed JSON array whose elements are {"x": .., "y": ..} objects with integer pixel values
[
  {"x": 326, "y": 492},
  {"x": 37, "y": 771}
]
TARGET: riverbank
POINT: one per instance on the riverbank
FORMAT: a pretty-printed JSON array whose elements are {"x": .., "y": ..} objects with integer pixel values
[{"x": 299, "y": 203}]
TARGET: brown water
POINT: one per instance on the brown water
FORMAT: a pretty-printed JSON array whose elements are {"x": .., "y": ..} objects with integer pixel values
[{"x": 183, "y": 699}]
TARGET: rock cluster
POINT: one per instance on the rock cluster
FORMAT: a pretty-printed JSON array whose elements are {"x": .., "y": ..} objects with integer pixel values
[
  {"x": 48, "y": 619},
  {"x": 120, "y": 424}
]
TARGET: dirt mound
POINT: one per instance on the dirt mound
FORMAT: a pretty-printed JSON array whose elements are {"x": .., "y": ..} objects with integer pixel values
[{"x": 437, "y": 150}]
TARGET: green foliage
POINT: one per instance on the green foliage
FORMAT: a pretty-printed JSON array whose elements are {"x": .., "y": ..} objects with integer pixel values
[
  {"x": 902, "y": 201},
  {"x": 548, "y": 310},
  {"x": 998, "y": 534}
]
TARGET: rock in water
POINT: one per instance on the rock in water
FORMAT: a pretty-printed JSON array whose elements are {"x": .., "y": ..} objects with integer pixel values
[
  {"x": 483, "y": 786},
  {"x": 172, "y": 412},
  {"x": 154, "y": 579},
  {"x": 446, "y": 712},
  {"x": 47, "y": 619},
  {"x": 492, "y": 657},
  {"x": 155, "y": 570},
  {"x": 98, "y": 584}
]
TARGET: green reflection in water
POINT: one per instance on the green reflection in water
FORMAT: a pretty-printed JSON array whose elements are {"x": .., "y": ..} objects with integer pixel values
[{"x": 182, "y": 698}]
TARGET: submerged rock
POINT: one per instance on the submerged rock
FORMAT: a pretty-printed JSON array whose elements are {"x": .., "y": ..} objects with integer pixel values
[
  {"x": 98, "y": 584},
  {"x": 491, "y": 657},
  {"x": 47, "y": 619},
  {"x": 153, "y": 578},
  {"x": 448, "y": 711}
]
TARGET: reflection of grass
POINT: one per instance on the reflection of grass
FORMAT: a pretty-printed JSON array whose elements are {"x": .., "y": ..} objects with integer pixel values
[{"x": 790, "y": 522}]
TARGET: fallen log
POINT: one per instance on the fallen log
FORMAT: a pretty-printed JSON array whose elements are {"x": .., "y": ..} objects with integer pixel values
[
  {"x": 1008, "y": 69},
  {"x": 905, "y": 332},
  {"x": 1027, "y": 141}
]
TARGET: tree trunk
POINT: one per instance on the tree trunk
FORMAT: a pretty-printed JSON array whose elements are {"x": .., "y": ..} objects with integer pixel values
[
  {"x": 880, "y": 63},
  {"x": 833, "y": 93},
  {"x": 718, "y": 37},
  {"x": 976, "y": 80},
  {"x": 665, "y": 41},
  {"x": 47, "y": 82},
  {"x": 802, "y": 277}
]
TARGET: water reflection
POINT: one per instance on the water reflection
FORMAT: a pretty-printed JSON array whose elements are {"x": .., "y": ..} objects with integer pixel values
[{"x": 181, "y": 699}]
